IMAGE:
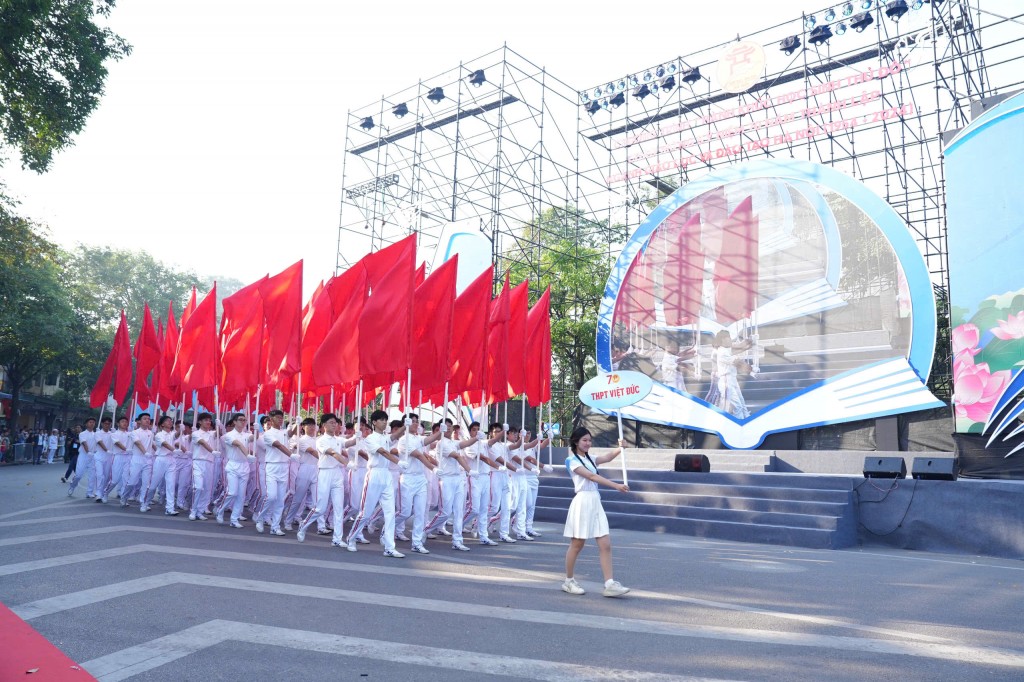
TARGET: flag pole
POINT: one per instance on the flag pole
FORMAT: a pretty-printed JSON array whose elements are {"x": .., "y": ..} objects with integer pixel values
[
  {"x": 625, "y": 476},
  {"x": 550, "y": 433}
]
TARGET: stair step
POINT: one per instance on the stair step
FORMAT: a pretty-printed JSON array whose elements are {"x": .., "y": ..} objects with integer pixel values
[
  {"x": 719, "y": 490},
  {"x": 731, "y": 502}
]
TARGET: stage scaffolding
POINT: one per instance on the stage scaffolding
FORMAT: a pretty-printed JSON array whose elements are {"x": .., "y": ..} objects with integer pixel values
[{"x": 520, "y": 143}]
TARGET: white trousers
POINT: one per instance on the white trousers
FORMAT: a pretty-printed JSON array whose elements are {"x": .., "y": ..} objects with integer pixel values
[
  {"x": 414, "y": 504},
  {"x": 118, "y": 474},
  {"x": 305, "y": 479},
  {"x": 161, "y": 478},
  {"x": 480, "y": 500},
  {"x": 138, "y": 476},
  {"x": 102, "y": 463},
  {"x": 237, "y": 474},
  {"x": 532, "y": 486},
  {"x": 276, "y": 477},
  {"x": 50, "y": 454},
  {"x": 356, "y": 479},
  {"x": 451, "y": 506},
  {"x": 520, "y": 493},
  {"x": 330, "y": 492},
  {"x": 83, "y": 468},
  {"x": 501, "y": 500},
  {"x": 378, "y": 489},
  {"x": 202, "y": 485},
  {"x": 183, "y": 482}
]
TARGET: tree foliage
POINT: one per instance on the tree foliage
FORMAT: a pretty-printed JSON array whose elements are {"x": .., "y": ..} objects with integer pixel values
[{"x": 53, "y": 65}]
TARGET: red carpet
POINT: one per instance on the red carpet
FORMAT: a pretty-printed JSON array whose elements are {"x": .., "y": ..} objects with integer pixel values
[{"x": 24, "y": 650}]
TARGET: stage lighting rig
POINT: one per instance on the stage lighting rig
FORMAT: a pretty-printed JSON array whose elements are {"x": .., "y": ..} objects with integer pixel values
[
  {"x": 830, "y": 14},
  {"x": 367, "y": 123},
  {"x": 435, "y": 95},
  {"x": 848, "y": 9},
  {"x": 861, "y": 21},
  {"x": 691, "y": 76},
  {"x": 840, "y": 28},
  {"x": 477, "y": 78},
  {"x": 820, "y": 35},
  {"x": 400, "y": 110},
  {"x": 810, "y": 21},
  {"x": 593, "y": 107},
  {"x": 641, "y": 91},
  {"x": 617, "y": 101},
  {"x": 917, "y": 4},
  {"x": 790, "y": 45},
  {"x": 896, "y": 9},
  {"x": 667, "y": 83},
  {"x": 866, "y": 4}
]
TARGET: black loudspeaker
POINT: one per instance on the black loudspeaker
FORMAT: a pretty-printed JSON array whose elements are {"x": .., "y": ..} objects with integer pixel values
[
  {"x": 693, "y": 463},
  {"x": 935, "y": 468},
  {"x": 885, "y": 467}
]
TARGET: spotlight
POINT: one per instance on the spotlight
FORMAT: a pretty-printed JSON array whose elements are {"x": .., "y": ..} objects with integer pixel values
[
  {"x": 477, "y": 79},
  {"x": 604, "y": 103},
  {"x": 400, "y": 110},
  {"x": 810, "y": 22},
  {"x": 918, "y": 4},
  {"x": 840, "y": 28},
  {"x": 659, "y": 72},
  {"x": 866, "y": 4},
  {"x": 847, "y": 9},
  {"x": 584, "y": 97},
  {"x": 830, "y": 14},
  {"x": 597, "y": 92},
  {"x": 435, "y": 95},
  {"x": 593, "y": 107},
  {"x": 691, "y": 76},
  {"x": 820, "y": 35},
  {"x": 671, "y": 68},
  {"x": 648, "y": 77},
  {"x": 617, "y": 101},
  {"x": 667, "y": 83},
  {"x": 790, "y": 45},
  {"x": 367, "y": 123},
  {"x": 641, "y": 91},
  {"x": 620, "y": 86},
  {"x": 861, "y": 21},
  {"x": 896, "y": 9},
  {"x": 633, "y": 81}
]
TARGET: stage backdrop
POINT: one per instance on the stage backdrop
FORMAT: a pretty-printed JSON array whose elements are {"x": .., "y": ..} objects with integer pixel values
[
  {"x": 985, "y": 205},
  {"x": 770, "y": 296}
]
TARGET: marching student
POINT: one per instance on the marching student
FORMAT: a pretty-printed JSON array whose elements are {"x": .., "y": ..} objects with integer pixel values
[
  {"x": 378, "y": 487},
  {"x": 258, "y": 501},
  {"x": 531, "y": 462},
  {"x": 526, "y": 462},
  {"x": 278, "y": 459},
  {"x": 501, "y": 491},
  {"x": 236, "y": 445},
  {"x": 330, "y": 484},
  {"x": 140, "y": 465},
  {"x": 479, "y": 483},
  {"x": 411, "y": 427},
  {"x": 103, "y": 460},
  {"x": 204, "y": 445},
  {"x": 307, "y": 475},
  {"x": 586, "y": 517},
  {"x": 183, "y": 464},
  {"x": 162, "y": 476},
  {"x": 452, "y": 472},
  {"x": 415, "y": 463},
  {"x": 358, "y": 459},
  {"x": 122, "y": 441},
  {"x": 85, "y": 466}
]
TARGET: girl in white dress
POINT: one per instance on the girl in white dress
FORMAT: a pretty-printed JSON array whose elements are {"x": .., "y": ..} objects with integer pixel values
[{"x": 586, "y": 518}]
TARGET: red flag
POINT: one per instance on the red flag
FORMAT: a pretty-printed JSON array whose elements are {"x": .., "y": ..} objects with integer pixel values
[
  {"x": 385, "y": 323},
  {"x": 174, "y": 382},
  {"x": 737, "y": 270},
  {"x": 241, "y": 340},
  {"x": 497, "y": 347},
  {"x": 196, "y": 362},
  {"x": 316, "y": 322},
  {"x": 519, "y": 304},
  {"x": 538, "y": 353},
  {"x": 469, "y": 335},
  {"x": 170, "y": 350},
  {"x": 421, "y": 273},
  {"x": 189, "y": 308},
  {"x": 147, "y": 355},
  {"x": 336, "y": 360},
  {"x": 378, "y": 263},
  {"x": 159, "y": 385},
  {"x": 432, "y": 328},
  {"x": 117, "y": 368},
  {"x": 282, "y": 309}
]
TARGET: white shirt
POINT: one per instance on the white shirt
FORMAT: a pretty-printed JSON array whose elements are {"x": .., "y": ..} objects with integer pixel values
[
  {"x": 142, "y": 442},
  {"x": 353, "y": 452},
  {"x": 184, "y": 445},
  {"x": 521, "y": 467},
  {"x": 161, "y": 438},
  {"x": 235, "y": 454},
  {"x": 530, "y": 469},
  {"x": 199, "y": 453},
  {"x": 271, "y": 436},
  {"x": 477, "y": 465},
  {"x": 325, "y": 443},
  {"x": 51, "y": 442},
  {"x": 500, "y": 449},
  {"x": 260, "y": 450},
  {"x": 446, "y": 451},
  {"x": 309, "y": 442},
  {"x": 581, "y": 484},
  {"x": 84, "y": 438},
  {"x": 374, "y": 442},
  {"x": 125, "y": 439},
  {"x": 406, "y": 446},
  {"x": 107, "y": 438}
]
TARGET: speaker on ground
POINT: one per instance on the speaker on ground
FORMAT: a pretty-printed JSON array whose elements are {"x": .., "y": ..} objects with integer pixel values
[
  {"x": 935, "y": 468},
  {"x": 885, "y": 467},
  {"x": 693, "y": 463}
]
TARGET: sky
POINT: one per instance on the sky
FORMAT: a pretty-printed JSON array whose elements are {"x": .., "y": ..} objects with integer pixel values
[{"x": 218, "y": 144}]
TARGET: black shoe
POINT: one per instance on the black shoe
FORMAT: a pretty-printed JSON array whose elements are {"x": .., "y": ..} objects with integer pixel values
[{"x": 63, "y": 480}]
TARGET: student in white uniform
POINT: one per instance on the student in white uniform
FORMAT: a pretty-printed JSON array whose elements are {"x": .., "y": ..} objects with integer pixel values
[
  {"x": 258, "y": 502},
  {"x": 278, "y": 458},
  {"x": 140, "y": 465},
  {"x": 307, "y": 474},
  {"x": 236, "y": 445},
  {"x": 162, "y": 477},
  {"x": 378, "y": 487},
  {"x": 179, "y": 460},
  {"x": 586, "y": 517},
  {"x": 51, "y": 445},
  {"x": 525, "y": 458},
  {"x": 481, "y": 465},
  {"x": 103, "y": 460},
  {"x": 358, "y": 458},
  {"x": 86, "y": 452},
  {"x": 122, "y": 448},
  {"x": 531, "y": 462},
  {"x": 204, "y": 445},
  {"x": 330, "y": 484},
  {"x": 183, "y": 466},
  {"x": 394, "y": 468},
  {"x": 452, "y": 475},
  {"x": 415, "y": 462},
  {"x": 501, "y": 488}
]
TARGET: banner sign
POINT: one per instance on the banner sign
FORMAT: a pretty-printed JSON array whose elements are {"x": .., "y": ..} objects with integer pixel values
[{"x": 615, "y": 390}]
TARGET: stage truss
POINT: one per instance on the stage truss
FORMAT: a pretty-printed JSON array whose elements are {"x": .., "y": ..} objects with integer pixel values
[{"x": 521, "y": 143}]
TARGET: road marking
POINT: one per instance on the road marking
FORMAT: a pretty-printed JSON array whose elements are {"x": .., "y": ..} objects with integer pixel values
[
  {"x": 136, "y": 660},
  {"x": 34, "y": 509},
  {"x": 941, "y": 651}
]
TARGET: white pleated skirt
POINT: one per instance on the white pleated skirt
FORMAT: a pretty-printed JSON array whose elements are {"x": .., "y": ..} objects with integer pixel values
[{"x": 586, "y": 518}]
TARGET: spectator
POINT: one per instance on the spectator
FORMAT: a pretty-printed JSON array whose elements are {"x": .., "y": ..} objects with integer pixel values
[
  {"x": 51, "y": 445},
  {"x": 5, "y": 445},
  {"x": 71, "y": 452},
  {"x": 40, "y": 446}
]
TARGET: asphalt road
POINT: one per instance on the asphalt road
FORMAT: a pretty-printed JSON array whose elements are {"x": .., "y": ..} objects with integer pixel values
[{"x": 148, "y": 597}]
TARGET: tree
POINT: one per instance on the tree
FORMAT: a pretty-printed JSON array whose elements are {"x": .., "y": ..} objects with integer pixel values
[
  {"x": 36, "y": 319},
  {"x": 53, "y": 59}
]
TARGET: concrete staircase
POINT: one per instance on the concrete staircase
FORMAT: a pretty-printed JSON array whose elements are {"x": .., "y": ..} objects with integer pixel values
[{"x": 781, "y": 509}]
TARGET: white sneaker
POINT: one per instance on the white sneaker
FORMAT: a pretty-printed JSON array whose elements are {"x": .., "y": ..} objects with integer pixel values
[
  {"x": 444, "y": 532},
  {"x": 170, "y": 513},
  {"x": 144, "y": 509},
  {"x": 459, "y": 547},
  {"x": 351, "y": 546},
  {"x": 520, "y": 536},
  {"x": 534, "y": 533},
  {"x": 420, "y": 549},
  {"x": 259, "y": 526},
  {"x": 506, "y": 538},
  {"x": 402, "y": 536},
  {"x": 236, "y": 524},
  {"x": 276, "y": 531},
  {"x": 488, "y": 542},
  {"x": 191, "y": 516},
  {"x": 393, "y": 554},
  {"x": 431, "y": 536},
  {"x": 337, "y": 543},
  {"x": 220, "y": 518},
  {"x": 288, "y": 527},
  {"x": 572, "y": 587},
  {"x": 301, "y": 535},
  {"x": 362, "y": 541},
  {"x": 616, "y": 589},
  {"x": 242, "y": 518},
  {"x": 323, "y": 531}
]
